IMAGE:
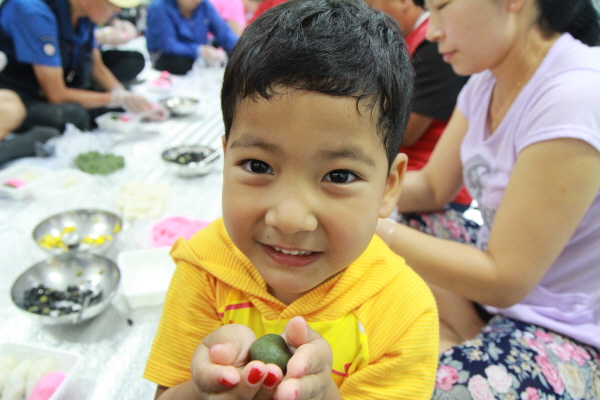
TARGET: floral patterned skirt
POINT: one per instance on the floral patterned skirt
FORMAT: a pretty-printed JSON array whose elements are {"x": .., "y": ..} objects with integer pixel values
[
  {"x": 446, "y": 224},
  {"x": 510, "y": 359}
]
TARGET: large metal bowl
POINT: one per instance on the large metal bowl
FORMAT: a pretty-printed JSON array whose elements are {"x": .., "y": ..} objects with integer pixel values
[
  {"x": 180, "y": 106},
  {"x": 78, "y": 230},
  {"x": 190, "y": 160},
  {"x": 67, "y": 289}
]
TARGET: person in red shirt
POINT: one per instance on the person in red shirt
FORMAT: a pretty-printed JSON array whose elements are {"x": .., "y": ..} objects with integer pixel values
[
  {"x": 435, "y": 93},
  {"x": 264, "y": 6}
]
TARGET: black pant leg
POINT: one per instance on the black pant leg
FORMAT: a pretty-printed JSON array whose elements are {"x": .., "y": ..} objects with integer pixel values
[
  {"x": 177, "y": 65},
  {"x": 42, "y": 113},
  {"x": 24, "y": 144},
  {"x": 124, "y": 64}
]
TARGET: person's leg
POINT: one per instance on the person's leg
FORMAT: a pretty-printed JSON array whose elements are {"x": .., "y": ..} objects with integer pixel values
[
  {"x": 124, "y": 64},
  {"x": 24, "y": 144},
  {"x": 41, "y": 113},
  {"x": 176, "y": 65},
  {"x": 511, "y": 359},
  {"x": 12, "y": 112}
]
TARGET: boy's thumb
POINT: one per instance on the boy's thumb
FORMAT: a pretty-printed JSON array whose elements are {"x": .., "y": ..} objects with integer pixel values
[{"x": 298, "y": 333}]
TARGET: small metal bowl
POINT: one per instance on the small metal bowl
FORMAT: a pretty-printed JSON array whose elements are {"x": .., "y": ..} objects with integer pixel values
[
  {"x": 78, "y": 230},
  {"x": 67, "y": 289},
  {"x": 180, "y": 106},
  {"x": 190, "y": 160}
]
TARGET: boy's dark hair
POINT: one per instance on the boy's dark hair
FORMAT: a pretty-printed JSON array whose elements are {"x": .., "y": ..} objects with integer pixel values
[{"x": 334, "y": 47}]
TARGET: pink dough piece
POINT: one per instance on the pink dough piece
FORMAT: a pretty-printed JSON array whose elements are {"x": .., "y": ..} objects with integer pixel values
[
  {"x": 14, "y": 182},
  {"x": 47, "y": 385},
  {"x": 165, "y": 232}
]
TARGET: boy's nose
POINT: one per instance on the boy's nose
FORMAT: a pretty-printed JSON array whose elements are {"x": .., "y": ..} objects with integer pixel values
[{"x": 291, "y": 213}]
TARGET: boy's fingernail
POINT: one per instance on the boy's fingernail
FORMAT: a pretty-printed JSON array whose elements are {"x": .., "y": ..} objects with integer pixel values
[
  {"x": 225, "y": 383},
  {"x": 255, "y": 376},
  {"x": 296, "y": 395},
  {"x": 270, "y": 380}
]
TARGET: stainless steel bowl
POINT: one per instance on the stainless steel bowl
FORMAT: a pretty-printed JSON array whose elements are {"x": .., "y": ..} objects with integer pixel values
[
  {"x": 67, "y": 289},
  {"x": 78, "y": 230},
  {"x": 180, "y": 106},
  {"x": 190, "y": 160}
]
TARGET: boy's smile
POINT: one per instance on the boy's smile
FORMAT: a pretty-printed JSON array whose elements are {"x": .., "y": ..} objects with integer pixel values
[
  {"x": 304, "y": 179},
  {"x": 291, "y": 258}
]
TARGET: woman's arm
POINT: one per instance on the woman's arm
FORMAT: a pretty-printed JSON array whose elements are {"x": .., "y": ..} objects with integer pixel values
[
  {"x": 436, "y": 184},
  {"x": 551, "y": 187},
  {"x": 223, "y": 33}
]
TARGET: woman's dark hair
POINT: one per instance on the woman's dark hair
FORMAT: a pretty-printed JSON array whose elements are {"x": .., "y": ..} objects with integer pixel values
[
  {"x": 334, "y": 47},
  {"x": 580, "y": 18}
]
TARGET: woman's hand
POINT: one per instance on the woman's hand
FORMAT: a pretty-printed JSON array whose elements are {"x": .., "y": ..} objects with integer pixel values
[{"x": 220, "y": 367}]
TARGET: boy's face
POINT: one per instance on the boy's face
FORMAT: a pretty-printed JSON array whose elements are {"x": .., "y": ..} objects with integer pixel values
[{"x": 305, "y": 181}]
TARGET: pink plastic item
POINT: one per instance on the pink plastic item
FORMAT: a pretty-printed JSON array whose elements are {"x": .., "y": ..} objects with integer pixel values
[
  {"x": 166, "y": 231},
  {"x": 163, "y": 83},
  {"x": 47, "y": 385}
]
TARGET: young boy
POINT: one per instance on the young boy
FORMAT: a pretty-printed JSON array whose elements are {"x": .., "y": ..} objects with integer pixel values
[{"x": 315, "y": 99}]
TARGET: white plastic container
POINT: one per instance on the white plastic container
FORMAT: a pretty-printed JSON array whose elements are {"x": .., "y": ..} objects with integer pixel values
[
  {"x": 145, "y": 276},
  {"x": 64, "y": 181},
  {"x": 119, "y": 122},
  {"x": 66, "y": 362},
  {"x": 27, "y": 174}
]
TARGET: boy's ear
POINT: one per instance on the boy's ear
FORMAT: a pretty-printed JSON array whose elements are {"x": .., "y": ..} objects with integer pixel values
[
  {"x": 393, "y": 185},
  {"x": 224, "y": 141}
]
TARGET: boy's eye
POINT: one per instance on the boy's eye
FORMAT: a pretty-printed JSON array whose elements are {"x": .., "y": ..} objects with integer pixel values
[
  {"x": 340, "y": 176},
  {"x": 257, "y": 167}
]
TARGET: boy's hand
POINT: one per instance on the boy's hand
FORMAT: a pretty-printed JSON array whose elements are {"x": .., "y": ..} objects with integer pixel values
[
  {"x": 309, "y": 370},
  {"x": 220, "y": 367}
]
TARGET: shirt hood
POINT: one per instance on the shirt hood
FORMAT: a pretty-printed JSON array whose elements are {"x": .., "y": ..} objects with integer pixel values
[{"x": 212, "y": 250}]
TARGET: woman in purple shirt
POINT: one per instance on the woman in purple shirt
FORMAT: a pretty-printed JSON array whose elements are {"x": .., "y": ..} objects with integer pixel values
[{"x": 525, "y": 140}]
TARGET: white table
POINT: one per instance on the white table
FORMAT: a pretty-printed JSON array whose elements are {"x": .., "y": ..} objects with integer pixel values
[{"x": 114, "y": 353}]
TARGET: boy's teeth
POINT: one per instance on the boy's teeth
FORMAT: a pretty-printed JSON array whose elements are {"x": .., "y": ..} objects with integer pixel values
[{"x": 293, "y": 253}]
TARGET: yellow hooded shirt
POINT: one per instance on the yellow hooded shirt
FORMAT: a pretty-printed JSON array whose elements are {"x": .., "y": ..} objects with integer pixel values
[{"x": 378, "y": 316}]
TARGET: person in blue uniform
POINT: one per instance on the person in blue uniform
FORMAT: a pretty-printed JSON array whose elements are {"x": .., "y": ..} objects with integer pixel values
[
  {"x": 177, "y": 33},
  {"x": 53, "y": 61}
]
